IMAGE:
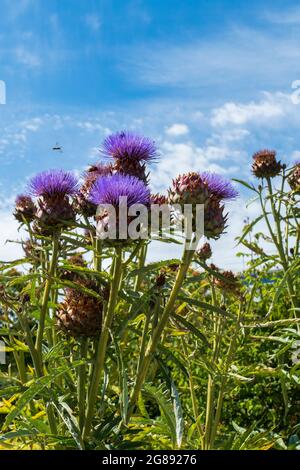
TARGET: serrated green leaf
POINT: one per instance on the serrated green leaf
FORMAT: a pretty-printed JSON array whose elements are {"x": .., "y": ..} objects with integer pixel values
[{"x": 35, "y": 388}]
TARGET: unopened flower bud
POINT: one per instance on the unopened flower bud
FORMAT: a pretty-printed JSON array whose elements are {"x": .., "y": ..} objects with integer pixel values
[
  {"x": 24, "y": 208},
  {"x": 205, "y": 252}
]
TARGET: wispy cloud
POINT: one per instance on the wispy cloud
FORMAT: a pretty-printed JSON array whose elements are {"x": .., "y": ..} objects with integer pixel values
[
  {"x": 287, "y": 16},
  {"x": 177, "y": 129},
  {"x": 274, "y": 108},
  {"x": 240, "y": 57},
  {"x": 236, "y": 113},
  {"x": 93, "y": 126},
  {"x": 26, "y": 57}
]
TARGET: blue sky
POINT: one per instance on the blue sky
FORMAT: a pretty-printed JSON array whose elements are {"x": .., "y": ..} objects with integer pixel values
[{"x": 209, "y": 80}]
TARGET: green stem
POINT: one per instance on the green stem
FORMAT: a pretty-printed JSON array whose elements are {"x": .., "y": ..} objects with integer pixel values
[
  {"x": 154, "y": 340},
  {"x": 267, "y": 221},
  {"x": 97, "y": 255},
  {"x": 276, "y": 217},
  {"x": 136, "y": 250},
  {"x": 280, "y": 245},
  {"x": 44, "y": 307},
  {"x": 51, "y": 418},
  {"x": 144, "y": 341},
  {"x": 284, "y": 388},
  {"x": 54, "y": 330},
  {"x": 19, "y": 359},
  {"x": 210, "y": 400},
  {"x": 141, "y": 263},
  {"x": 81, "y": 382},
  {"x": 102, "y": 345},
  {"x": 30, "y": 343},
  {"x": 192, "y": 393},
  {"x": 229, "y": 357}
]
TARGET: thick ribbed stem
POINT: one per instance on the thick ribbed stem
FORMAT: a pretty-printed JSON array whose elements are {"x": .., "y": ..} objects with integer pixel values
[
  {"x": 102, "y": 345},
  {"x": 192, "y": 393},
  {"x": 228, "y": 361},
  {"x": 45, "y": 300},
  {"x": 82, "y": 381},
  {"x": 154, "y": 340}
]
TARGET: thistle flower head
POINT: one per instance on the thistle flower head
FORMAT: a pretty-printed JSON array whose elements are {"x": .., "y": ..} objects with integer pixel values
[
  {"x": 219, "y": 187},
  {"x": 159, "y": 199},
  {"x": 53, "y": 184},
  {"x": 265, "y": 164},
  {"x": 99, "y": 169},
  {"x": 74, "y": 260},
  {"x": 188, "y": 188},
  {"x": 81, "y": 203},
  {"x": 130, "y": 167},
  {"x": 207, "y": 189},
  {"x": 160, "y": 279},
  {"x": 109, "y": 189},
  {"x": 80, "y": 314},
  {"x": 23, "y": 199},
  {"x": 198, "y": 188},
  {"x": 294, "y": 178},
  {"x": 214, "y": 219},
  {"x": 205, "y": 252},
  {"x": 52, "y": 215},
  {"x": 127, "y": 145},
  {"x": 54, "y": 210},
  {"x": 24, "y": 208},
  {"x": 229, "y": 283}
]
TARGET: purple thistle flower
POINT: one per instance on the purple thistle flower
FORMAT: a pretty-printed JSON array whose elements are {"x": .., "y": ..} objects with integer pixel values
[
  {"x": 127, "y": 145},
  {"x": 219, "y": 187},
  {"x": 53, "y": 183},
  {"x": 108, "y": 190}
]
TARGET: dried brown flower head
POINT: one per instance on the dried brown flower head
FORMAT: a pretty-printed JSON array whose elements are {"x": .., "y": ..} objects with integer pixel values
[{"x": 265, "y": 164}]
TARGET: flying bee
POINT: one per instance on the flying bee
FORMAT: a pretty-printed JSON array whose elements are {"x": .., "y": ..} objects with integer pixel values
[{"x": 57, "y": 147}]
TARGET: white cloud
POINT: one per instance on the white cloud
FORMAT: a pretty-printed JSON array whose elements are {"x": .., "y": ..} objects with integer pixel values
[
  {"x": 295, "y": 157},
  {"x": 224, "y": 148},
  {"x": 32, "y": 124},
  {"x": 26, "y": 57},
  {"x": 229, "y": 136},
  {"x": 177, "y": 130},
  {"x": 92, "y": 126},
  {"x": 178, "y": 158},
  {"x": 8, "y": 231},
  {"x": 233, "y": 113},
  {"x": 224, "y": 249}
]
